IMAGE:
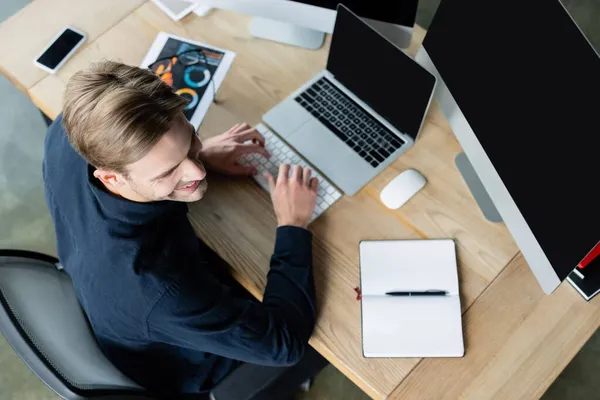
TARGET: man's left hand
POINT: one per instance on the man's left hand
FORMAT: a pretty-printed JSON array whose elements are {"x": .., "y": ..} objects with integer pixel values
[{"x": 220, "y": 153}]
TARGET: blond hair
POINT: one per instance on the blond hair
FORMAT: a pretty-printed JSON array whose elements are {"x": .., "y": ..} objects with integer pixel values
[{"x": 115, "y": 113}]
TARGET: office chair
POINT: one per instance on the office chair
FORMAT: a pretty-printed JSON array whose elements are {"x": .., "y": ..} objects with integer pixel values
[{"x": 44, "y": 323}]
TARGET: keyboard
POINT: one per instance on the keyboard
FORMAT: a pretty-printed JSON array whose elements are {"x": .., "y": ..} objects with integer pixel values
[
  {"x": 350, "y": 122},
  {"x": 281, "y": 153}
]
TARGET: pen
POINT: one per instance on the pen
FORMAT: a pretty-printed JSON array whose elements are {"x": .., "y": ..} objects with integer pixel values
[{"x": 425, "y": 293}]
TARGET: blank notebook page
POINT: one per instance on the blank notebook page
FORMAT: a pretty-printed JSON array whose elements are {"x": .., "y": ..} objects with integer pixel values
[{"x": 396, "y": 326}]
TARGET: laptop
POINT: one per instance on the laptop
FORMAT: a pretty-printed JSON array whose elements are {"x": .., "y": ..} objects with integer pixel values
[{"x": 359, "y": 115}]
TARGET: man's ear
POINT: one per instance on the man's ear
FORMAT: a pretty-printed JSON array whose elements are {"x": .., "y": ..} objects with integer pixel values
[{"x": 110, "y": 178}]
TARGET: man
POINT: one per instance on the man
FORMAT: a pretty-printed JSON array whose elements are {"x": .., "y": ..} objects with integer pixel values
[{"x": 120, "y": 164}]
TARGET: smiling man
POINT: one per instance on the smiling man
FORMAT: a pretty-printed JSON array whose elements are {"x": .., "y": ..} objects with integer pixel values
[{"x": 120, "y": 164}]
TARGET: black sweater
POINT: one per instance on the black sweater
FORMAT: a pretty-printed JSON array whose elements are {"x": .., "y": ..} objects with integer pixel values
[{"x": 146, "y": 284}]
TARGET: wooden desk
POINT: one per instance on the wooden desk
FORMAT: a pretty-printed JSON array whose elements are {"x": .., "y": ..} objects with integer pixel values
[{"x": 517, "y": 339}]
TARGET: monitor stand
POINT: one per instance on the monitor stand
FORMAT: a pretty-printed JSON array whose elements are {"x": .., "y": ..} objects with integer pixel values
[
  {"x": 477, "y": 189},
  {"x": 282, "y": 32}
]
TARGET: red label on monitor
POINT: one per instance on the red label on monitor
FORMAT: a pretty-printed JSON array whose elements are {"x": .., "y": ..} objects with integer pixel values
[{"x": 590, "y": 257}]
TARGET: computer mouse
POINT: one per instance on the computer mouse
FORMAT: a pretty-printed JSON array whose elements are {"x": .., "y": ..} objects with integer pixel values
[{"x": 402, "y": 188}]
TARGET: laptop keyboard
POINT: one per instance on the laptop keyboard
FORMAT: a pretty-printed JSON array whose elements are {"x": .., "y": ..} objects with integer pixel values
[{"x": 349, "y": 122}]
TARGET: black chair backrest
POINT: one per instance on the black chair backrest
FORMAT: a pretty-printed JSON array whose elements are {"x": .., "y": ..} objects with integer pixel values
[{"x": 42, "y": 320}]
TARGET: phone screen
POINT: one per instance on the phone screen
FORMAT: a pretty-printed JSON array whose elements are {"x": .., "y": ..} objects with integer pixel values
[{"x": 60, "y": 48}]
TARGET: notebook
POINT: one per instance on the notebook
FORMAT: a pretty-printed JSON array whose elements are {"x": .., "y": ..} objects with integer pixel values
[{"x": 417, "y": 326}]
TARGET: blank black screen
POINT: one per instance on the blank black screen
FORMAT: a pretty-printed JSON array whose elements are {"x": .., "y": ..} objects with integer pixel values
[
  {"x": 398, "y": 12},
  {"x": 379, "y": 73},
  {"x": 527, "y": 81},
  {"x": 59, "y": 49}
]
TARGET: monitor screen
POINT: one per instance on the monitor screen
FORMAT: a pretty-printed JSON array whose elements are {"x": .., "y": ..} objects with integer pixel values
[
  {"x": 398, "y": 12},
  {"x": 525, "y": 78},
  {"x": 379, "y": 73}
]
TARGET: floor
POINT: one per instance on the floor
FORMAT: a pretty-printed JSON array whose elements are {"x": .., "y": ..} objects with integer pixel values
[{"x": 26, "y": 224}]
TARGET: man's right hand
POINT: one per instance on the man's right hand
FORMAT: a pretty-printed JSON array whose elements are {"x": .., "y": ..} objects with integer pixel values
[{"x": 293, "y": 196}]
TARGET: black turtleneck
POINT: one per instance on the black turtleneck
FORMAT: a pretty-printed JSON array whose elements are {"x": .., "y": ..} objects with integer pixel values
[{"x": 146, "y": 283}]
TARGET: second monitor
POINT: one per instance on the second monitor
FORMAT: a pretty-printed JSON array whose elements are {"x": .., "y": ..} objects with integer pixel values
[{"x": 304, "y": 23}]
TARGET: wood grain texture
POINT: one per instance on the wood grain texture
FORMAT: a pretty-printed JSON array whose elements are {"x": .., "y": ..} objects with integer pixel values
[
  {"x": 29, "y": 31},
  {"x": 47, "y": 95},
  {"x": 517, "y": 340}
]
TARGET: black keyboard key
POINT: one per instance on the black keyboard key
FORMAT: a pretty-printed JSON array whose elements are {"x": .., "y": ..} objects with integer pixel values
[
  {"x": 373, "y": 135},
  {"x": 361, "y": 143},
  {"x": 362, "y": 125},
  {"x": 384, "y": 153},
  {"x": 333, "y": 129},
  {"x": 311, "y": 92},
  {"x": 327, "y": 114},
  {"x": 396, "y": 143},
  {"x": 344, "y": 129},
  {"x": 368, "y": 158},
  {"x": 353, "y": 127},
  {"x": 374, "y": 163},
  {"x": 363, "y": 136},
  {"x": 362, "y": 153},
  {"x": 335, "y": 112},
  {"x": 329, "y": 107},
  {"x": 338, "y": 124},
  {"x": 368, "y": 130},
  {"x": 376, "y": 156},
  {"x": 340, "y": 107},
  {"x": 306, "y": 98},
  {"x": 328, "y": 97},
  {"x": 370, "y": 141},
  {"x": 321, "y": 110}
]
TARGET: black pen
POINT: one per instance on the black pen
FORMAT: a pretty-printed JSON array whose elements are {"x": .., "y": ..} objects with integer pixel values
[{"x": 425, "y": 293}]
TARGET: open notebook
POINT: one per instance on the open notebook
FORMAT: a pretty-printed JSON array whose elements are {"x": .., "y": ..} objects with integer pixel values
[{"x": 410, "y": 326}]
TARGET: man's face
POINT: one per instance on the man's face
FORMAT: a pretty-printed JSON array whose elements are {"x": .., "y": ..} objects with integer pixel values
[{"x": 171, "y": 170}]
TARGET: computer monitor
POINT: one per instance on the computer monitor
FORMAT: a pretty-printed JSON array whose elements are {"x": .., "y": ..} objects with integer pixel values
[
  {"x": 304, "y": 22},
  {"x": 517, "y": 85}
]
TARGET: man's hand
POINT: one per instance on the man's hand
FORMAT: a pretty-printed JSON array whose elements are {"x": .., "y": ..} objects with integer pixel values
[
  {"x": 220, "y": 153},
  {"x": 293, "y": 197}
]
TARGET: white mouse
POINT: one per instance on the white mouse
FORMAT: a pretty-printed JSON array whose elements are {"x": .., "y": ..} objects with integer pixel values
[{"x": 402, "y": 188}]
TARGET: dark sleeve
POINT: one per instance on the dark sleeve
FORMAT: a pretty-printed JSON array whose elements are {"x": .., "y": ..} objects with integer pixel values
[{"x": 198, "y": 312}]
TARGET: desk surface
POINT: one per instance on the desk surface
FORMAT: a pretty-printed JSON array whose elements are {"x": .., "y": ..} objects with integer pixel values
[{"x": 517, "y": 339}]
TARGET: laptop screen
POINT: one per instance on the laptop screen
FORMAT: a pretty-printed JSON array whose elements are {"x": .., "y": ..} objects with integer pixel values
[{"x": 379, "y": 73}]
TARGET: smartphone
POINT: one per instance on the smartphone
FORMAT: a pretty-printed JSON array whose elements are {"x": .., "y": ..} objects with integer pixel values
[{"x": 60, "y": 49}]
